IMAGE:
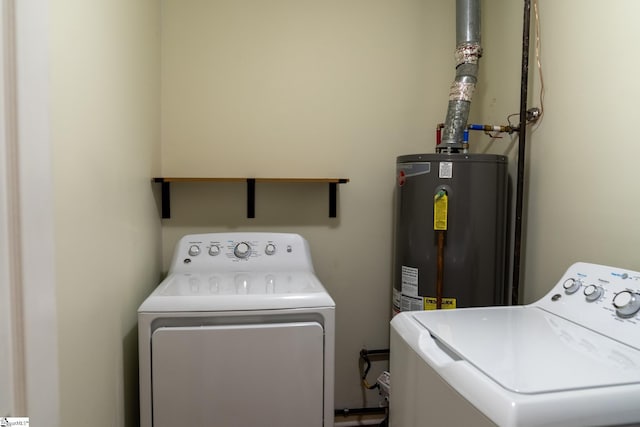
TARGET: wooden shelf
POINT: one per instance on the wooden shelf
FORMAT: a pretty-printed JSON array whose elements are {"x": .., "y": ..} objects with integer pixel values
[{"x": 251, "y": 189}]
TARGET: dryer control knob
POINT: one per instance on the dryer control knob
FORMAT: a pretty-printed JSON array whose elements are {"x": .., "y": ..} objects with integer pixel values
[
  {"x": 627, "y": 303},
  {"x": 242, "y": 250},
  {"x": 593, "y": 292},
  {"x": 194, "y": 250},
  {"x": 571, "y": 286},
  {"x": 270, "y": 249}
]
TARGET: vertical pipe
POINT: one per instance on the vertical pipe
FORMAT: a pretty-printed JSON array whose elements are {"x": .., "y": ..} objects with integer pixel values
[
  {"x": 467, "y": 21},
  {"x": 440, "y": 269},
  {"x": 517, "y": 246},
  {"x": 468, "y": 53}
]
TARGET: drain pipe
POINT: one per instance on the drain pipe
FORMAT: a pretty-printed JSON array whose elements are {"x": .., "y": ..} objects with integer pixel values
[{"x": 468, "y": 52}]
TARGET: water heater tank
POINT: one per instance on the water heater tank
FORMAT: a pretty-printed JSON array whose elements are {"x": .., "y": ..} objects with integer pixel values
[{"x": 473, "y": 254}]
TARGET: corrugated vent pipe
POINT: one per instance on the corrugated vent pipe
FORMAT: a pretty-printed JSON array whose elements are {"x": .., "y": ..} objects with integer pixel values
[{"x": 468, "y": 52}]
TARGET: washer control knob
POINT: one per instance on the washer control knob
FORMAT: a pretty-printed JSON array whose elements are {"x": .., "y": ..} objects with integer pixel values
[
  {"x": 270, "y": 249},
  {"x": 194, "y": 250},
  {"x": 242, "y": 250},
  {"x": 571, "y": 286},
  {"x": 627, "y": 303},
  {"x": 593, "y": 292},
  {"x": 214, "y": 250}
]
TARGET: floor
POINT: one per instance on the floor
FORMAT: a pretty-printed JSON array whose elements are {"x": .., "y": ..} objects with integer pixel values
[{"x": 359, "y": 420}]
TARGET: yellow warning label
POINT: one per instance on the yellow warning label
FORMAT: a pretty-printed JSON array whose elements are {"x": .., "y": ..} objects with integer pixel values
[
  {"x": 431, "y": 303},
  {"x": 440, "y": 208}
]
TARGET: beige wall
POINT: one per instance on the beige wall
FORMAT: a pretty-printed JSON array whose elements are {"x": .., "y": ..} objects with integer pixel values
[
  {"x": 105, "y": 133},
  {"x": 298, "y": 88},
  {"x": 583, "y": 177},
  {"x": 295, "y": 88}
]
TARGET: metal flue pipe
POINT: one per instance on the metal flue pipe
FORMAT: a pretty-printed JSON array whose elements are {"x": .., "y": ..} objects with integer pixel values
[{"x": 468, "y": 52}]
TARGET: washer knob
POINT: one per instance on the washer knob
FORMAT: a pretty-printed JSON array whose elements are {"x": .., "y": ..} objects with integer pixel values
[
  {"x": 627, "y": 303},
  {"x": 270, "y": 249},
  {"x": 194, "y": 250},
  {"x": 242, "y": 250},
  {"x": 593, "y": 292},
  {"x": 571, "y": 286},
  {"x": 214, "y": 250}
]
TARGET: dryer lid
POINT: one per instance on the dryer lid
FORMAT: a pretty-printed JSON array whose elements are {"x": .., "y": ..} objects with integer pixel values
[{"x": 528, "y": 350}]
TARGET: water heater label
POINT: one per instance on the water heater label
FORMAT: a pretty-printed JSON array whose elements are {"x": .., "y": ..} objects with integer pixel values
[
  {"x": 414, "y": 169},
  {"x": 411, "y": 303},
  {"x": 446, "y": 170},
  {"x": 409, "y": 281},
  {"x": 431, "y": 303},
  {"x": 440, "y": 209}
]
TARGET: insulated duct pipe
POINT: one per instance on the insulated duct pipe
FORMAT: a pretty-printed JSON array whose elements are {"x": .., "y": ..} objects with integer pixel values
[{"x": 468, "y": 52}]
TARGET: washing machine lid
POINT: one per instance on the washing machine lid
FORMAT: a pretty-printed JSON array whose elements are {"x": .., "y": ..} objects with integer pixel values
[
  {"x": 237, "y": 291},
  {"x": 530, "y": 351}
]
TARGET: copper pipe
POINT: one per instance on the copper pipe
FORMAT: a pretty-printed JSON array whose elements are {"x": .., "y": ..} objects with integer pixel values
[{"x": 440, "y": 269}]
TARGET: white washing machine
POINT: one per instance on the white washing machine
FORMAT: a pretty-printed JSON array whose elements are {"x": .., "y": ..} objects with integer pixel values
[
  {"x": 570, "y": 359},
  {"x": 240, "y": 333}
]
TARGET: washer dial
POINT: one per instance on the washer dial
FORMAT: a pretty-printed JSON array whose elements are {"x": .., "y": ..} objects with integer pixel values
[
  {"x": 270, "y": 249},
  {"x": 242, "y": 250},
  {"x": 593, "y": 292},
  {"x": 194, "y": 250},
  {"x": 571, "y": 286},
  {"x": 627, "y": 303}
]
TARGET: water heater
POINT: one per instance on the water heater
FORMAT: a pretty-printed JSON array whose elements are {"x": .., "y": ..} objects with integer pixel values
[{"x": 459, "y": 262}]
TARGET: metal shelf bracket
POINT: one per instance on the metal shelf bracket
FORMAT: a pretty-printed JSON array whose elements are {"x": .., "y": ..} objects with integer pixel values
[{"x": 251, "y": 190}]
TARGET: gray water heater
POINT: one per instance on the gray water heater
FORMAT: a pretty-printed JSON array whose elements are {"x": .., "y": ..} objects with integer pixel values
[{"x": 465, "y": 263}]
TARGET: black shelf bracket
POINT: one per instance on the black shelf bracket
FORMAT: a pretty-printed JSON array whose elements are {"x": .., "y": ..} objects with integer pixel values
[
  {"x": 333, "y": 196},
  {"x": 165, "y": 197},
  {"x": 251, "y": 191},
  {"x": 251, "y": 197}
]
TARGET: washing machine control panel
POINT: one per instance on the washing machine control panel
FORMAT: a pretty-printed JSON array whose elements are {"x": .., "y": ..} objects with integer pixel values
[
  {"x": 256, "y": 251},
  {"x": 604, "y": 299}
]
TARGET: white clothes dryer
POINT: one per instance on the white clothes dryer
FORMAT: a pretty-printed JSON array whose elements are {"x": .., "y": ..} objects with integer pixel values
[
  {"x": 570, "y": 359},
  {"x": 240, "y": 333}
]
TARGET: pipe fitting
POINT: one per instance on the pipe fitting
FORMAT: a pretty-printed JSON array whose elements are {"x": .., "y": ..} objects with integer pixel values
[
  {"x": 468, "y": 53},
  {"x": 461, "y": 91}
]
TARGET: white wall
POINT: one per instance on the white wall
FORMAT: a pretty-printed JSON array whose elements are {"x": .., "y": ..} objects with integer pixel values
[
  {"x": 105, "y": 136},
  {"x": 583, "y": 176},
  {"x": 294, "y": 88}
]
